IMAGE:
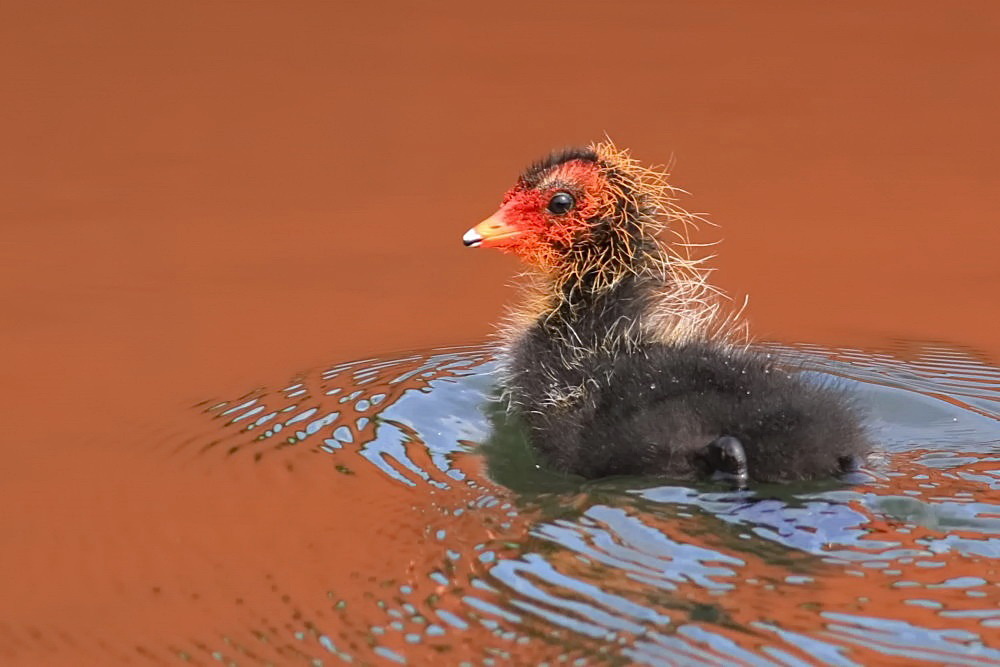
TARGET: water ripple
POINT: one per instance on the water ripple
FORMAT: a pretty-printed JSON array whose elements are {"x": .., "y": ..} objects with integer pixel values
[{"x": 479, "y": 556}]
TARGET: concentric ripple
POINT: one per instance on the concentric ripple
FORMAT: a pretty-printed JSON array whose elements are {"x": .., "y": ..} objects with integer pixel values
[{"x": 478, "y": 556}]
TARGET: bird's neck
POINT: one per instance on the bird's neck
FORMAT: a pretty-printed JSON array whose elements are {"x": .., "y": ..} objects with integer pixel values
[
  {"x": 592, "y": 312},
  {"x": 585, "y": 309}
]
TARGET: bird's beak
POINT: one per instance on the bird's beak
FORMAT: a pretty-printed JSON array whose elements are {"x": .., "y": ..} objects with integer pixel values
[{"x": 493, "y": 231}]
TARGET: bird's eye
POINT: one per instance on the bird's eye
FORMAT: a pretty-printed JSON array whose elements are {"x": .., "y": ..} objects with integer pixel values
[{"x": 561, "y": 202}]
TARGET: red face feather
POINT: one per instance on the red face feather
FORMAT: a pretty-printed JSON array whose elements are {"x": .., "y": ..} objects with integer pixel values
[{"x": 526, "y": 224}]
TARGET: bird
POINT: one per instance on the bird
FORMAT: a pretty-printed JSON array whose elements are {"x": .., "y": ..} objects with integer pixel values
[{"x": 621, "y": 359}]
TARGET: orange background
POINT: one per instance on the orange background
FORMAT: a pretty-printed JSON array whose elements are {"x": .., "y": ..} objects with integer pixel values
[{"x": 197, "y": 197}]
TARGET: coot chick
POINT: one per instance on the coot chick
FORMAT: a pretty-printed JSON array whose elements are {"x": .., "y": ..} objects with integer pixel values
[{"x": 621, "y": 363}]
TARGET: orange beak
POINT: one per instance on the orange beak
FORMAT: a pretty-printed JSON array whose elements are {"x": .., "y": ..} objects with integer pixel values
[{"x": 493, "y": 231}]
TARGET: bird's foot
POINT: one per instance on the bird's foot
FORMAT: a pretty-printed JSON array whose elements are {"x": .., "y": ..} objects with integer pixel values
[
  {"x": 850, "y": 463},
  {"x": 728, "y": 461}
]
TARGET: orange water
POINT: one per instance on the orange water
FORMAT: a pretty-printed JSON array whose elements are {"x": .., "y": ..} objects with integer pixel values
[{"x": 197, "y": 199}]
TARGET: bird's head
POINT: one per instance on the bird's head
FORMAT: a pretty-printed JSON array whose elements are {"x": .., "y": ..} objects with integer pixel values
[
  {"x": 588, "y": 219},
  {"x": 582, "y": 212}
]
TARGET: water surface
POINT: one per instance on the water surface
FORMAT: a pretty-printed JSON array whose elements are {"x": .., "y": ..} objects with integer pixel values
[
  {"x": 197, "y": 199},
  {"x": 479, "y": 555}
]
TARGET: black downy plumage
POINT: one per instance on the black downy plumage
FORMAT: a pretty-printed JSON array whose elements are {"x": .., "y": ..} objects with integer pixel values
[{"x": 621, "y": 363}]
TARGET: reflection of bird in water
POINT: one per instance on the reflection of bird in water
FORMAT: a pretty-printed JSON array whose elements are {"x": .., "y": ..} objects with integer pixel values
[{"x": 619, "y": 363}]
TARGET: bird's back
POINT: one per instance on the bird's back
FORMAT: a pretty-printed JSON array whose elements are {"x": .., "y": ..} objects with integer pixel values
[{"x": 654, "y": 409}]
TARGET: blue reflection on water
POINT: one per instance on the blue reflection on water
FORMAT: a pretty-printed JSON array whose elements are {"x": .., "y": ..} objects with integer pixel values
[{"x": 660, "y": 573}]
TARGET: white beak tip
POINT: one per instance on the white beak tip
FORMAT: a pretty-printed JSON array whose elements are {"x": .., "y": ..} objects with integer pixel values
[{"x": 472, "y": 238}]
